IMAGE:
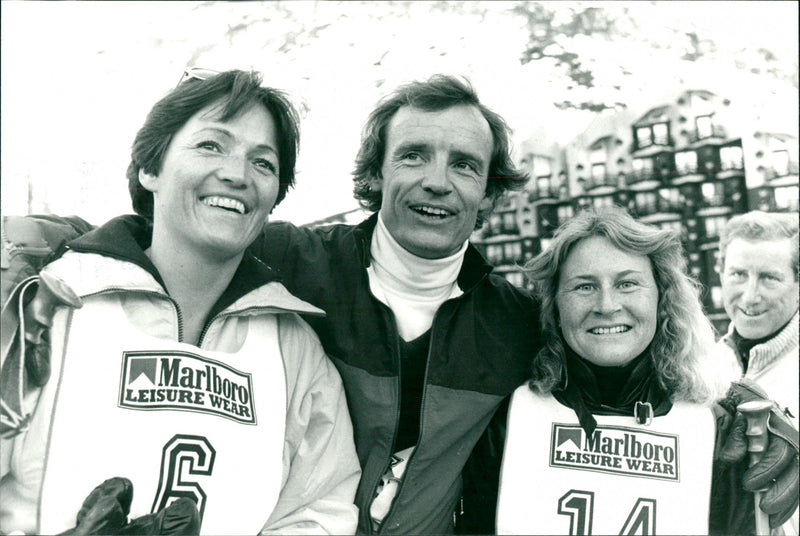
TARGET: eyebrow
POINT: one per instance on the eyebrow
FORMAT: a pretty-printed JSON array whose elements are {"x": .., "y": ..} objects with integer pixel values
[
  {"x": 624, "y": 273},
  {"x": 758, "y": 272},
  {"x": 225, "y": 132},
  {"x": 456, "y": 154},
  {"x": 411, "y": 146}
]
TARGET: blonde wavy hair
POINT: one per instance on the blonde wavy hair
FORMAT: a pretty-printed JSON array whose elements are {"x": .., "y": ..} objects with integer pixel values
[{"x": 684, "y": 336}]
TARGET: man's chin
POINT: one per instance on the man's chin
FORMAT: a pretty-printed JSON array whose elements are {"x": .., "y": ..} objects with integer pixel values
[
  {"x": 430, "y": 249},
  {"x": 752, "y": 329}
]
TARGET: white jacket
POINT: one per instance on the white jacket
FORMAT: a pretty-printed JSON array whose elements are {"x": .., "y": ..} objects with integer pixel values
[
  {"x": 253, "y": 423},
  {"x": 773, "y": 365}
]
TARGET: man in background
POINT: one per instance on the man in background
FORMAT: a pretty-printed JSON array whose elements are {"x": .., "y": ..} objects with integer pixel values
[{"x": 760, "y": 291}]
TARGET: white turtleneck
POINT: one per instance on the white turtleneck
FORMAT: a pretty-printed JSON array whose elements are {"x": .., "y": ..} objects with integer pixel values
[{"x": 412, "y": 287}]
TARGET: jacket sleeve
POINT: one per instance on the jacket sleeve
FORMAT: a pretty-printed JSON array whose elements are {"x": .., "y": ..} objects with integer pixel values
[
  {"x": 321, "y": 470},
  {"x": 29, "y": 242}
]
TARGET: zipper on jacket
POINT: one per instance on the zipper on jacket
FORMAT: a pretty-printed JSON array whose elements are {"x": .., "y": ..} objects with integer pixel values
[
  {"x": 266, "y": 309},
  {"x": 393, "y": 324},
  {"x": 362, "y": 248},
  {"x": 178, "y": 313},
  {"x": 422, "y": 404},
  {"x": 459, "y": 511},
  {"x": 421, "y": 412}
]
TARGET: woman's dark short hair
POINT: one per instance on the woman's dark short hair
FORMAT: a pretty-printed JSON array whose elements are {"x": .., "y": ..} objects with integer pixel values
[
  {"x": 236, "y": 91},
  {"x": 439, "y": 92}
]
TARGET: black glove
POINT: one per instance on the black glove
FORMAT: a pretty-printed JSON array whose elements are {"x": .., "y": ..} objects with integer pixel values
[
  {"x": 776, "y": 473},
  {"x": 105, "y": 511},
  {"x": 180, "y": 518}
]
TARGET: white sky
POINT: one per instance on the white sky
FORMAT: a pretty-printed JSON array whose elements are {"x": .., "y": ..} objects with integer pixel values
[{"x": 79, "y": 77}]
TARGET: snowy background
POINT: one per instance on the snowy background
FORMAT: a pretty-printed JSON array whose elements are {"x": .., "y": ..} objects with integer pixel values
[{"x": 78, "y": 78}]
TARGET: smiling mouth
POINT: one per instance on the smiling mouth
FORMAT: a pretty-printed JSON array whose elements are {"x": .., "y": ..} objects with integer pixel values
[
  {"x": 226, "y": 203},
  {"x": 751, "y": 314},
  {"x": 431, "y": 212},
  {"x": 610, "y": 330}
]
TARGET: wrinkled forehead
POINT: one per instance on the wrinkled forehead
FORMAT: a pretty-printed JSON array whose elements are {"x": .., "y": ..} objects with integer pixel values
[
  {"x": 462, "y": 125},
  {"x": 768, "y": 252}
]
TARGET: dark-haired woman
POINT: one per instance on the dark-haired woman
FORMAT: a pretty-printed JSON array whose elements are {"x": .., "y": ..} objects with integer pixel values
[{"x": 188, "y": 370}]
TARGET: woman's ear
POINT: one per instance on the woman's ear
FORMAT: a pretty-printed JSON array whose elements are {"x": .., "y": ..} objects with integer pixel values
[
  {"x": 376, "y": 183},
  {"x": 150, "y": 182}
]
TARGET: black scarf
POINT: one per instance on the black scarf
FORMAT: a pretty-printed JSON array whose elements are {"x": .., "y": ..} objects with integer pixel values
[
  {"x": 743, "y": 346},
  {"x": 591, "y": 390}
]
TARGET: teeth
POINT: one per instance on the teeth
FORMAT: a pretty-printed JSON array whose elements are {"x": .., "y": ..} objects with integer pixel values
[
  {"x": 431, "y": 211},
  {"x": 224, "y": 202},
  {"x": 609, "y": 331},
  {"x": 751, "y": 313}
]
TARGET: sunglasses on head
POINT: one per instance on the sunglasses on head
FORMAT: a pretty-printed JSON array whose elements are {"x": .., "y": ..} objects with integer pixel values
[{"x": 197, "y": 73}]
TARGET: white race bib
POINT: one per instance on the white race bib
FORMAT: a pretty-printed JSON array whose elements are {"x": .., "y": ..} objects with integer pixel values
[
  {"x": 626, "y": 478},
  {"x": 176, "y": 420}
]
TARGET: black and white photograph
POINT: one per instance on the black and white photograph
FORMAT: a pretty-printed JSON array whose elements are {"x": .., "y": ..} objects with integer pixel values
[{"x": 399, "y": 267}]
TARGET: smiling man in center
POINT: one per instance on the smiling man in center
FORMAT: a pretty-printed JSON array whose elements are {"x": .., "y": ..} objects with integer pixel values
[
  {"x": 428, "y": 342},
  {"x": 433, "y": 178}
]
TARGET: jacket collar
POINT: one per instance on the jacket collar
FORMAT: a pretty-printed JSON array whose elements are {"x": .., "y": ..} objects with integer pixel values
[
  {"x": 126, "y": 237},
  {"x": 636, "y": 382},
  {"x": 764, "y": 353},
  {"x": 473, "y": 269},
  {"x": 123, "y": 238}
]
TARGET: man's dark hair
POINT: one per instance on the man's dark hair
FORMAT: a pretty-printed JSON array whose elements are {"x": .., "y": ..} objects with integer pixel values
[
  {"x": 439, "y": 92},
  {"x": 235, "y": 91}
]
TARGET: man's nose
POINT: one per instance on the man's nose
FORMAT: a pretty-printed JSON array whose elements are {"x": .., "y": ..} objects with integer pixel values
[
  {"x": 752, "y": 290},
  {"x": 436, "y": 179}
]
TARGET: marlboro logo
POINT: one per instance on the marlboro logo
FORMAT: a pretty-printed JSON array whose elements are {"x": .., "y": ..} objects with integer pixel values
[
  {"x": 185, "y": 381},
  {"x": 615, "y": 449}
]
